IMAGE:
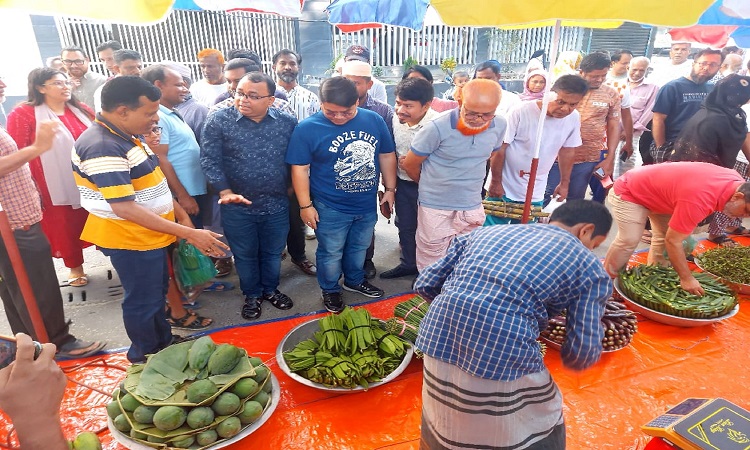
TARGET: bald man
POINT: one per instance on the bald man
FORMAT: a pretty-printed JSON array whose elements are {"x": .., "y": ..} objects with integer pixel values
[{"x": 448, "y": 158}]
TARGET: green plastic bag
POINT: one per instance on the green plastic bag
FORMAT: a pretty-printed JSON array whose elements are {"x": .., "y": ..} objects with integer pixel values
[{"x": 192, "y": 269}]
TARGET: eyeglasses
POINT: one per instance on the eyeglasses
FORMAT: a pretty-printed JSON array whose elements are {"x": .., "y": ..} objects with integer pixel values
[
  {"x": 156, "y": 130},
  {"x": 242, "y": 95},
  {"x": 71, "y": 62},
  {"x": 709, "y": 65},
  {"x": 59, "y": 83},
  {"x": 342, "y": 114},
  {"x": 471, "y": 115}
]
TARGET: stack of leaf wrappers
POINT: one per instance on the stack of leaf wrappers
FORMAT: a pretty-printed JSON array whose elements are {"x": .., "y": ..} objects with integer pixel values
[{"x": 407, "y": 317}]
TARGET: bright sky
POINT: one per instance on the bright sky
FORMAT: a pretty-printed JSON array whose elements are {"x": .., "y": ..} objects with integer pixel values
[{"x": 19, "y": 49}]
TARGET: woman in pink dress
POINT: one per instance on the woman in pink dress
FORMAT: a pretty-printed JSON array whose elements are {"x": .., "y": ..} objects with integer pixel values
[{"x": 51, "y": 97}]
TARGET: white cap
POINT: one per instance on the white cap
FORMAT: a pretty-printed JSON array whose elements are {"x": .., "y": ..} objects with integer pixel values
[{"x": 356, "y": 69}]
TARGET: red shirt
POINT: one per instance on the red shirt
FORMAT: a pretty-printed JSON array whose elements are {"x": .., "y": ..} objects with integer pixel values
[{"x": 689, "y": 191}]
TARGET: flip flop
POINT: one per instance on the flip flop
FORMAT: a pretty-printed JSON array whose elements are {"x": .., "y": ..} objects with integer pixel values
[
  {"x": 77, "y": 281},
  {"x": 78, "y": 349},
  {"x": 219, "y": 286},
  {"x": 190, "y": 321}
]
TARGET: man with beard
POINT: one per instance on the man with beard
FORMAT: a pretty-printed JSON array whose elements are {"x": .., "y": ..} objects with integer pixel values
[
  {"x": 413, "y": 111},
  {"x": 337, "y": 156},
  {"x": 678, "y": 100},
  {"x": 448, "y": 158},
  {"x": 304, "y": 103},
  {"x": 85, "y": 82},
  {"x": 213, "y": 83},
  {"x": 600, "y": 119},
  {"x": 178, "y": 151}
]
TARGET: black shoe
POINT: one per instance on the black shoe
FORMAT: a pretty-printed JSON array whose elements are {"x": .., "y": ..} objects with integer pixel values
[
  {"x": 398, "y": 272},
  {"x": 306, "y": 266},
  {"x": 370, "y": 270},
  {"x": 251, "y": 308},
  {"x": 279, "y": 300},
  {"x": 366, "y": 289},
  {"x": 332, "y": 302}
]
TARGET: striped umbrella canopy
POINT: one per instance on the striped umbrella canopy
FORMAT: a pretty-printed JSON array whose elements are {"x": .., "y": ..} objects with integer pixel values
[
  {"x": 141, "y": 12},
  {"x": 723, "y": 20},
  {"x": 596, "y": 13}
]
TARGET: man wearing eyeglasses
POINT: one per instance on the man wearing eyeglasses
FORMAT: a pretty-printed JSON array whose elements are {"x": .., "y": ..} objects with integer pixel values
[
  {"x": 678, "y": 100},
  {"x": 448, "y": 158},
  {"x": 337, "y": 156},
  {"x": 243, "y": 152},
  {"x": 85, "y": 81}
]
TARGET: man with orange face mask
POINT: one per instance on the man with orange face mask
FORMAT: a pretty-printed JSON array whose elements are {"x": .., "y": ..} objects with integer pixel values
[{"x": 448, "y": 158}]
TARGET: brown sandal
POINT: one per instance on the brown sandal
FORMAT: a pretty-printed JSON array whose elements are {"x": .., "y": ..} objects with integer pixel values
[{"x": 191, "y": 321}]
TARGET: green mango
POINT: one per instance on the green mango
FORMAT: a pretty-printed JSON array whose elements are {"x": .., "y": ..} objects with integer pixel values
[
  {"x": 250, "y": 412},
  {"x": 200, "y": 417},
  {"x": 244, "y": 388},
  {"x": 87, "y": 441},
  {"x": 229, "y": 427},
  {"x": 129, "y": 403},
  {"x": 223, "y": 359},
  {"x": 201, "y": 390},
  {"x": 168, "y": 418},
  {"x": 145, "y": 414},
  {"x": 225, "y": 404},
  {"x": 200, "y": 352},
  {"x": 121, "y": 423},
  {"x": 113, "y": 409},
  {"x": 207, "y": 437}
]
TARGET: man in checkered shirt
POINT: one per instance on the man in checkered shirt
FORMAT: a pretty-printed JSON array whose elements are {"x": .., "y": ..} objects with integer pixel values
[{"x": 485, "y": 383}]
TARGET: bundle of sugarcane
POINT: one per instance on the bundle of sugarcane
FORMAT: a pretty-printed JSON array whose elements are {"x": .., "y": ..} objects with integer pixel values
[
  {"x": 509, "y": 210},
  {"x": 351, "y": 349}
]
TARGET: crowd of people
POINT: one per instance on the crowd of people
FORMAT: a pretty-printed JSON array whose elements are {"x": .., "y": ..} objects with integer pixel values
[{"x": 247, "y": 166}]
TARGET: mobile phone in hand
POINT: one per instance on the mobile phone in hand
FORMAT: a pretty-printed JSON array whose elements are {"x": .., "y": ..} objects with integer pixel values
[
  {"x": 8, "y": 350},
  {"x": 599, "y": 173},
  {"x": 624, "y": 156}
]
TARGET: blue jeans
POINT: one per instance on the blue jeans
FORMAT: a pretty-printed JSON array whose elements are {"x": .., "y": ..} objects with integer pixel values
[
  {"x": 257, "y": 241},
  {"x": 342, "y": 243},
  {"x": 145, "y": 279},
  {"x": 598, "y": 193},
  {"x": 579, "y": 180},
  {"x": 406, "y": 221}
]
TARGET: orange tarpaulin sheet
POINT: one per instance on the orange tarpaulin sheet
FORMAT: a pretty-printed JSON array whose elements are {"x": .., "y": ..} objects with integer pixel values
[{"x": 604, "y": 406}]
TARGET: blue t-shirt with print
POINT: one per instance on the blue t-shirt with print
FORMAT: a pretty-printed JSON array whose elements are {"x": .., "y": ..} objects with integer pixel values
[
  {"x": 679, "y": 99},
  {"x": 343, "y": 159}
]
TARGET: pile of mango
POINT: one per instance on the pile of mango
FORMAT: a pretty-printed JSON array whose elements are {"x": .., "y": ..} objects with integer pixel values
[{"x": 191, "y": 395}]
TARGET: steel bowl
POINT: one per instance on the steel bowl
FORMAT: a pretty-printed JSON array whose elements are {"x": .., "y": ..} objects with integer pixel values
[
  {"x": 305, "y": 331},
  {"x": 739, "y": 288},
  {"x": 669, "y": 319},
  {"x": 131, "y": 444}
]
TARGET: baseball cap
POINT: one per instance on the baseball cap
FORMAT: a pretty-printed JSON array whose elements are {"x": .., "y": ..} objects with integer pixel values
[{"x": 358, "y": 53}]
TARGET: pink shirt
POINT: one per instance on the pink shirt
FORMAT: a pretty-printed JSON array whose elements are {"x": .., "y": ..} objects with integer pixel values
[{"x": 689, "y": 191}]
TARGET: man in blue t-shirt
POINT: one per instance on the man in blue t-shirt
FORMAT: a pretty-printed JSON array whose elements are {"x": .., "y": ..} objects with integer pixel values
[
  {"x": 679, "y": 99},
  {"x": 337, "y": 156}
]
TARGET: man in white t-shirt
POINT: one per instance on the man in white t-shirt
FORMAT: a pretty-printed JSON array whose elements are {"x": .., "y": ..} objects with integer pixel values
[
  {"x": 511, "y": 165},
  {"x": 213, "y": 83},
  {"x": 678, "y": 65}
]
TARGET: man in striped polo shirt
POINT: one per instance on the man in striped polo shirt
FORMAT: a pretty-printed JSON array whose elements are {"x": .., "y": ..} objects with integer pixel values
[{"x": 131, "y": 210}]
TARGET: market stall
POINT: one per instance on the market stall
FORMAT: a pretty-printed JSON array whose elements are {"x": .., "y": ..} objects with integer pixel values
[{"x": 605, "y": 406}]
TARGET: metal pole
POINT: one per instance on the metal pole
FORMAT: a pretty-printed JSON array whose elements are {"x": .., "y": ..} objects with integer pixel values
[
  {"x": 22, "y": 277},
  {"x": 540, "y": 128}
]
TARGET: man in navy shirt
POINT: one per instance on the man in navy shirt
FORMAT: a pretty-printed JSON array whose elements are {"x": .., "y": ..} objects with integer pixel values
[
  {"x": 243, "y": 151},
  {"x": 337, "y": 155},
  {"x": 679, "y": 99}
]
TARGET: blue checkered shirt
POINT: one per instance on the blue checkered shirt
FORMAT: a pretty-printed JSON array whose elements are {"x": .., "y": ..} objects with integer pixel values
[{"x": 494, "y": 291}]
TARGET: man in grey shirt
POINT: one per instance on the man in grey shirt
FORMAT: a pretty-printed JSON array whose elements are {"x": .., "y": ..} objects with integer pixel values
[{"x": 85, "y": 82}]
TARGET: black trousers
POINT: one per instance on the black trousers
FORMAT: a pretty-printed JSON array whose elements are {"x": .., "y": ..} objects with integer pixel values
[
  {"x": 295, "y": 240},
  {"x": 37, "y": 258}
]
